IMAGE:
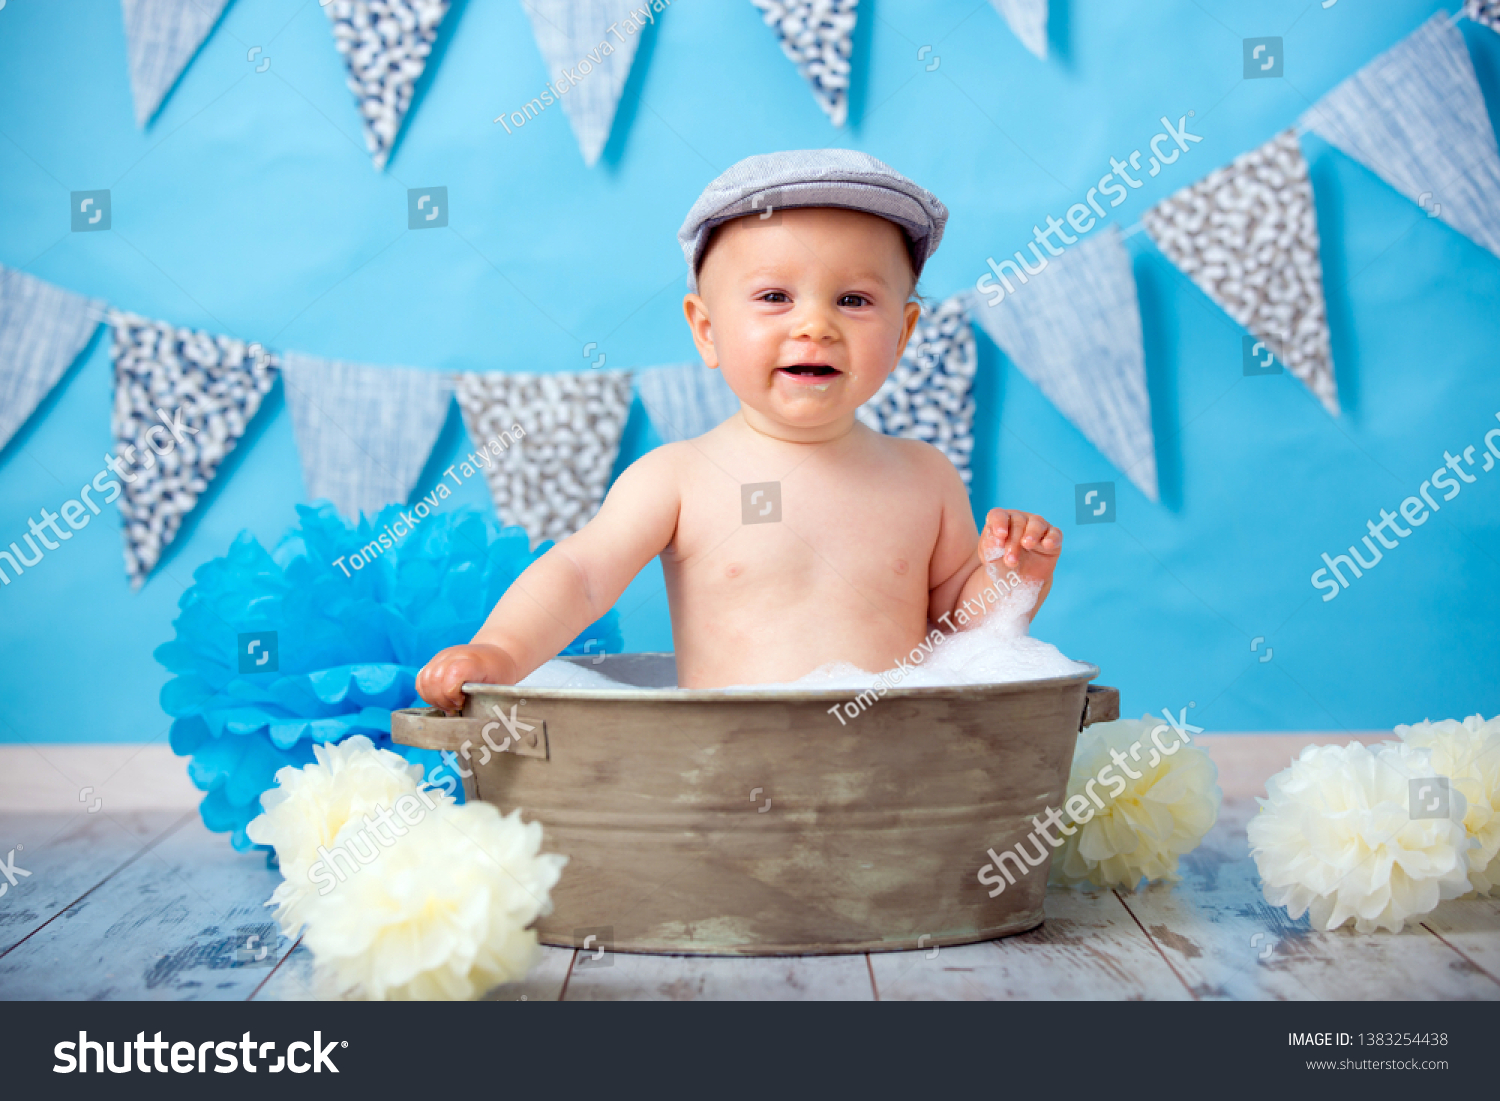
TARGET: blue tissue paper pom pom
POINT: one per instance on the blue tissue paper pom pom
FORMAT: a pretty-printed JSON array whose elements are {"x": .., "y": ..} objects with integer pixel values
[{"x": 328, "y": 650}]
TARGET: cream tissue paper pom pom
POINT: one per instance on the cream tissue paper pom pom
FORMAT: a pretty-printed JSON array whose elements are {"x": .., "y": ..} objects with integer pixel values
[
  {"x": 1148, "y": 821},
  {"x": 1468, "y": 754},
  {"x": 311, "y": 805},
  {"x": 1336, "y": 837},
  {"x": 442, "y": 913}
]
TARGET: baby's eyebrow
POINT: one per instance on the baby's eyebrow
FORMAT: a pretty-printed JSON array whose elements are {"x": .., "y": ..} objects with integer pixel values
[{"x": 779, "y": 275}]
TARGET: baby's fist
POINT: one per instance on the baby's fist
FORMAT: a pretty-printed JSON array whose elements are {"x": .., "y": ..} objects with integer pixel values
[
  {"x": 1014, "y": 536},
  {"x": 441, "y": 680}
]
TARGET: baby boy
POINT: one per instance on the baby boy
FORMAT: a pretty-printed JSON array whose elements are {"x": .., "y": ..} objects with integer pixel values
[{"x": 791, "y": 536}]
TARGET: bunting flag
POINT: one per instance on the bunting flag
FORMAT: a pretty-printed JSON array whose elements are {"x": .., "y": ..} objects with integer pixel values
[
  {"x": 553, "y": 478},
  {"x": 1415, "y": 117},
  {"x": 685, "y": 400},
  {"x": 364, "y": 433},
  {"x": 588, "y": 47},
  {"x": 1028, "y": 21},
  {"x": 1247, "y": 234},
  {"x": 386, "y": 44},
  {"x": 161, "y": 37},
  {"x": 1074, "y": 329},
  {"x": 42, "y": 330},
  {"x": 930, "y": 394},
  {"x": 183, "y": 398},
  {"x": 1486, "y": 12},
  {"x": 818, "y": 36}
]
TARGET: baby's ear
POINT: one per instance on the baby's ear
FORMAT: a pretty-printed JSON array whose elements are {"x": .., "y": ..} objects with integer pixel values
[
  {"x": 909, "y": 326},
  {"x": 701, "y": 326}
]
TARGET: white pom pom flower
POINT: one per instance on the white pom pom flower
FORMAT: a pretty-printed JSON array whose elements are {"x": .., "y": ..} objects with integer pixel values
[
  {"x": 441, "y": 913},
  {"x": 1149, "y": 820},
  {"x": 1336, "y": 838},
  {"x": 1468, "y": 754},
  {"x": 311, "y": 805}
]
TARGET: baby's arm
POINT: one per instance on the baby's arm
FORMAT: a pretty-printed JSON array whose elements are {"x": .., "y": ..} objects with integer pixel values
[
  {"x": 1011, "y": 541},
  {"x": 566, "y": 589}
]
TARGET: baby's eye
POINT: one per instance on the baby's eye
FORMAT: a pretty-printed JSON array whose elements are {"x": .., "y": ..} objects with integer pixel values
[
  {"x": 774, "y": 296},
  {"x": 854, "y": 301}
]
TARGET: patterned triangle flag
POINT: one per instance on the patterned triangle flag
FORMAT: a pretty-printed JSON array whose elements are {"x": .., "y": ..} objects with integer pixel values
[
  {"x": 1415, "y": 117},
  {"x": 42, "y": 330},
  {"x": 183, "y": 398},
  {"x": 1028, "y": 21},
  {"x": 386, "y": 44},
  {"x": 1074, "y": 329},
  {"x": 567, "y": 428},
  {"x": 1484, "y": 11},
  {"x": 930, "y": 394},
  {"x": 364, "y": 433},
  {"x": 685, "y": 400},
  {"x": 161, "y": 37},
  {"x": 1247, "y": 234},
  {"x": 818, "y": 37},
  {"x": 576, "y": 38}
]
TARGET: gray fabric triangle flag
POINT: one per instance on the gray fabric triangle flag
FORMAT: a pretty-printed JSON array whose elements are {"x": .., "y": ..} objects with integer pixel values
[
  {"x": 1247, "y": 235},
  {"x": 161, "y": 37},
  {"x": 685, "y": 400},
  {"x": 818, "y": 37},
  {"x": 1028, "y": 21},
  {"x": 42, "y": 330},
  {"x": 1415, "y": 117},
  {"x": 183, "y": 399},
  {"x": 588, "y": 46},
  {"x": 364, "y": 433},
  {"x": 386, "y": 44},
  {"x": 1486, "y": 12},
  {"x": 1074, "y": 329},
  {"x": 930, "y": 394},
  {"x": 558, "y": 438}
]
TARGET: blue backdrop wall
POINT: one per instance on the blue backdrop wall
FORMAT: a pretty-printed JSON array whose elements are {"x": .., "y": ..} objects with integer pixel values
[{"x": 249, "y": 206}]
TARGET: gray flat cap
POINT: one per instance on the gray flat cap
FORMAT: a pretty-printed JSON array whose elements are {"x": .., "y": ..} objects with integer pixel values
[{"x": 815, "y": 177}]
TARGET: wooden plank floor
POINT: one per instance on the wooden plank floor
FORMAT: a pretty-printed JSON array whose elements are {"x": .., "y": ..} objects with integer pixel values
[{"x": 144, "y": 903}]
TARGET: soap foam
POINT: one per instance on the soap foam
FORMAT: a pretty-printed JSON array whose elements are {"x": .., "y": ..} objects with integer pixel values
[{"x": 997, "y": 650}]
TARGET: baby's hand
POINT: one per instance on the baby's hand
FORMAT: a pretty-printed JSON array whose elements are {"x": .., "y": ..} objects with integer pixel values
[
  {"x": 1026, "y": 543},
  {"x": 441, "y": 680}
]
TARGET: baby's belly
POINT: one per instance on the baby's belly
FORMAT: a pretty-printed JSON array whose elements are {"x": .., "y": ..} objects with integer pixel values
[{"x": 764, "y": 637}]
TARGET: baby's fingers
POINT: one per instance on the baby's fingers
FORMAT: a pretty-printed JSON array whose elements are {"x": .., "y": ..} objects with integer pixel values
[
  {"x": 996, "y": 528},
  {"x": 1041, "y": 536}
]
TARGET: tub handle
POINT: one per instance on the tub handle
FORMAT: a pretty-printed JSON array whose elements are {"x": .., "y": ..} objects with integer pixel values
[
  {"x": 431, "y": 728},
  {"x": 1100, "y": 705}
]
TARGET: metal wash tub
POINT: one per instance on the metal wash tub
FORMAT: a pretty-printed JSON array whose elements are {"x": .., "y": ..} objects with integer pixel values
[{"x": 749, "y": 822}]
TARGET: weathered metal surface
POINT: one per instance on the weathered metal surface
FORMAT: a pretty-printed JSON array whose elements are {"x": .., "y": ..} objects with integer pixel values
[{"x": 755, "y": 822}]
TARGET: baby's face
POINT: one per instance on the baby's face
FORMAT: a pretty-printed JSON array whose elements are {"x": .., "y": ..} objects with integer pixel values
[{"x": 806, "y": 312}]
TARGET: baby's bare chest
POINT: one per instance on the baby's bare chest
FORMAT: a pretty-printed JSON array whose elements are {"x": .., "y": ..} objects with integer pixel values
[{"x": 807, "y": 534}]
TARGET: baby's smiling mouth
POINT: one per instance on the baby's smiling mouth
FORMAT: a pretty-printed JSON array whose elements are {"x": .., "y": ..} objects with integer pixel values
[{"x": 809, "y": 371}]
